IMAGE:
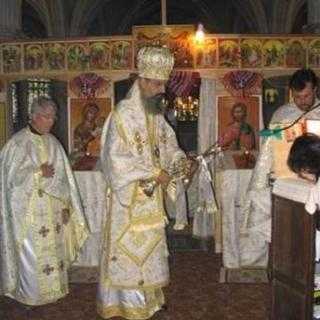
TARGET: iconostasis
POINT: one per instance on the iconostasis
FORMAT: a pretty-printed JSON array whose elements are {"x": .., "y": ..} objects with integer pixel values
[{"x": 82, "y": 72}]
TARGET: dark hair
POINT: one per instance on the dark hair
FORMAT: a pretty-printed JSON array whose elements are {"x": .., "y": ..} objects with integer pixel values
[
  {"x": 300, "y": 79},
  {"x": 304, "y": 154}
]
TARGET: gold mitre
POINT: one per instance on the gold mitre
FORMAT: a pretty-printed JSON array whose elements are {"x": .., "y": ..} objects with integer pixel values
[{"x": 155, "y": 63}]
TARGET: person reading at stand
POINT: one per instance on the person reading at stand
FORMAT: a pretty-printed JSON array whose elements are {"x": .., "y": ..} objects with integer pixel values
[
  {"x": 304, "y": 160},
  {"x": 304, "y": 157}
]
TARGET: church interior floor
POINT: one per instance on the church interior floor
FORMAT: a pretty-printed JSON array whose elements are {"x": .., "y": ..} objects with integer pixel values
[{"x": 194, "y": 293}]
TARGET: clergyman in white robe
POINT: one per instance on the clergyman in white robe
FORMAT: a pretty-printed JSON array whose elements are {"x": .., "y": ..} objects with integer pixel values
[
  {"x": 134, "y": 264},
  {"x": 42, "y": 225},
  {"x": 257, "y": 225}
]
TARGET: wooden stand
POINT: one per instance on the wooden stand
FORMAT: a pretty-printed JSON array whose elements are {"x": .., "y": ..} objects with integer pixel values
[{"x": 292, "y": 260}]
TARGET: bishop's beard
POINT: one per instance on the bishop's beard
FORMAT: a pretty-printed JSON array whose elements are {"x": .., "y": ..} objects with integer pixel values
[{"x": 154, "y": 105}]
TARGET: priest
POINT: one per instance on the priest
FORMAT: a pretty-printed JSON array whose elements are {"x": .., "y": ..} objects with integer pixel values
[{"x": 42, "y": 225}]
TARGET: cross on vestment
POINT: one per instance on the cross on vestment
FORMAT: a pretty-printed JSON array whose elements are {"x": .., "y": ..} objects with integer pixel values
[
  {"x": 58, "y": 228},
  {"x": 44, "y": 231},
  {"x": 47, "y": 270}
]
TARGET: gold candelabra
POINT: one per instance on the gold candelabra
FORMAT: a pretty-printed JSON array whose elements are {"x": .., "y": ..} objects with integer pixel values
[{"x": 186, "y": 108}]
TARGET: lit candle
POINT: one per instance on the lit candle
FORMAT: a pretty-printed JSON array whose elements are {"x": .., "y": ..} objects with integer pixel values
[{"x": 313, "y": 126}]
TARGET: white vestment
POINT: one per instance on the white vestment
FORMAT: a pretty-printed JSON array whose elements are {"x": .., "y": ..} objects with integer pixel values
[
  {"x": 257, "y": 226},
  {"x": 134, "y": 266},
  {"x": 36, "y": 245},
  {"x": 177, "y": 208}
]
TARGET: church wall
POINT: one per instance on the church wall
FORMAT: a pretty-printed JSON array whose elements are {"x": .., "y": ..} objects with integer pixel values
[{"x": 110, "y": 59}]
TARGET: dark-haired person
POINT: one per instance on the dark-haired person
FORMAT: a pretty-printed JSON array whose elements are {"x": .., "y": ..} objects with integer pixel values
[
  {"x": 139, "y": 150},
  {"x": 304, "y": 160},
  {"x": 303, "y": 86},
  {"x": 304, "y": 157}
]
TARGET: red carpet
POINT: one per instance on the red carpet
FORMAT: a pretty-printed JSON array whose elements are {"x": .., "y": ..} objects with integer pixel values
[{"x": 193, "y": 294}]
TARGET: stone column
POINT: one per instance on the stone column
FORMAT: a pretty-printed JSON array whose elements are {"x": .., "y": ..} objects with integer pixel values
[
  {"x": 313, "y": 25},
  {"x": 10, "y": 19}
]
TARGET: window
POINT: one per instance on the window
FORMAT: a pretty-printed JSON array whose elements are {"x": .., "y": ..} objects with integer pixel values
[
  {"x": 23, "y": 94},
  {"x": 38, "y": 88}
]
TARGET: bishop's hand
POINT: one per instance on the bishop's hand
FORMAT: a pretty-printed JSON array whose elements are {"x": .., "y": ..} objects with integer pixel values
[
  {"x": 192, "y": 166},
  {"x": 163, "y": 179}
]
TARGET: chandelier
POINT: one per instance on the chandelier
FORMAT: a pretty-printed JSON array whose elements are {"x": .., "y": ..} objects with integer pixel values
[{"x": 186, "y": 108}]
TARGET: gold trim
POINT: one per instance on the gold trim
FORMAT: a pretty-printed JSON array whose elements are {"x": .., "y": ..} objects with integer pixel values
[
  {"x": 55, "y": 285},
  {"x": 107, "y": 243},
  {"x": 152, "y": 129},
  {"x": 120, "y": 127},
  {"x": 158, "y": 285},
  {"x": 148, "y": 219},
  {"x": 145, "y": 222},
  {"x": 148, "y": 250},
  {"x": 133, "y": 199}
]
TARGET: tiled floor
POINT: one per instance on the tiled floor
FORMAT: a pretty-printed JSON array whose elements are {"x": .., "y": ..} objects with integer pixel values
[{"x": 193, "y": 294}]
